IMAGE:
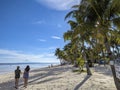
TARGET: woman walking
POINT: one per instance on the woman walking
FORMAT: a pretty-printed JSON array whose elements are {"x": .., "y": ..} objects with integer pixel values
[{"x": 26, "y": 75}]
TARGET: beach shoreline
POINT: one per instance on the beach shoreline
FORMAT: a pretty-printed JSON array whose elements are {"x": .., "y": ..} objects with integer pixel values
[
  {"x": 10, "y": 67},
  {"x": 62, "y": 78}
]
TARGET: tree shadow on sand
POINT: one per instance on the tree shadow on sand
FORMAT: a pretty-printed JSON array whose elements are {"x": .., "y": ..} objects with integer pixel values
[
  {"x": 82, "y": 82},
  {"x": 36, "y": 78},
  {"x": 49, "y": 72},
  {"x": 101, "y": 69}
]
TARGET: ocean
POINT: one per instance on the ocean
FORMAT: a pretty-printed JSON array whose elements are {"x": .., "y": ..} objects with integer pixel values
[{"x": 10, "y": 67}]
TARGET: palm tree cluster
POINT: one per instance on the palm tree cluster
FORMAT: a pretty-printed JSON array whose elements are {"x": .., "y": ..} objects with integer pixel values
[{"x": 94, "y": 33}]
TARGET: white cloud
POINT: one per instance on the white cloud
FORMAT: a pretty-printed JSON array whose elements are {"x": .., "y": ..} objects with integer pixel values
[
  {"x": 50, "y": 55},
  {"x": 55, "y": 37},
  {"x": 15, "y": 56},
  {"x": 52, "y": 48},
  {"x": 39, "y": 22},
  {"x": 59, "y": 4},
  {"x": 42, "y": 40}
]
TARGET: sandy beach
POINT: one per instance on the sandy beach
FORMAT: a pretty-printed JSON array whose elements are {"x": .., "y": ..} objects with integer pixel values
[{"x": 62, "y": 78}]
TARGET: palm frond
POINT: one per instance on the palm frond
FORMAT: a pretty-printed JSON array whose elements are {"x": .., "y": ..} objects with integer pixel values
[
  {"x": 71, "y": 14},
  {"x": 116, "y": 22}
]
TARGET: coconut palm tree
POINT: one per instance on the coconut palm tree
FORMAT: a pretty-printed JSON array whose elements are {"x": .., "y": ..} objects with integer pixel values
[
  {"x": 99, "y": 16},
  {"x": 78, "y": 36},
  {"x": 106, "y": 13},
  {"x": 69, "y": 53},
  {"x": 60, "y": 54}
]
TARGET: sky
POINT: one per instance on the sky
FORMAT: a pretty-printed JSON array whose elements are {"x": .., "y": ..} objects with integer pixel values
[{"x": 31, "y": 30}]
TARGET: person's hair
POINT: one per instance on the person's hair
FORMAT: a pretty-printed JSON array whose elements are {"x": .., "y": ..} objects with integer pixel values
[
  {"x": 18, "y": 67},
  {"x": 27, "y": 68}
]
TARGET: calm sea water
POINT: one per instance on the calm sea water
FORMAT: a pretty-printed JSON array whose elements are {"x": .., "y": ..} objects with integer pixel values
[{"x": 10, "y": 67}]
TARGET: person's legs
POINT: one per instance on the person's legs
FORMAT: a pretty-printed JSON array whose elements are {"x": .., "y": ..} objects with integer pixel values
[
  {"x": 16, "y": 82},
  {"x": 25, "y": 82}
]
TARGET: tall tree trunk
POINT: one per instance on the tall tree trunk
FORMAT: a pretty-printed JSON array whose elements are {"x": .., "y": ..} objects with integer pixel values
[
  {"x": 88, "y": 69},
  {"x": 87, "y": 66},
  {"x": 117, "y": 82},
  {"x": 60, "y": 61}
]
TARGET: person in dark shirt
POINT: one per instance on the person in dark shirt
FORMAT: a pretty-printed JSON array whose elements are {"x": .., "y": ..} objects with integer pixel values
[
  {"x": 17, "y": 76},
  {"x": 26, "y": 75}
]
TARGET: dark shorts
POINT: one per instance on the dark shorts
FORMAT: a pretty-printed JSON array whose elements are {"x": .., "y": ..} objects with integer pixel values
[{"x": 17, "y": 77}]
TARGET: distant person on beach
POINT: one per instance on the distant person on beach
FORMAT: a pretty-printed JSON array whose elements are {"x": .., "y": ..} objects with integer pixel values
[
  {"x": 26, "y": 75},
  {"x": 17, "y": 76}
]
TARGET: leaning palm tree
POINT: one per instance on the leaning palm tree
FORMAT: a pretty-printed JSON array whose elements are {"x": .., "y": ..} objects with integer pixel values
[
  {"x": 99, "y": 16},
  {"x": 106, "y": 15},
  {"x": 78, "y": 35}
]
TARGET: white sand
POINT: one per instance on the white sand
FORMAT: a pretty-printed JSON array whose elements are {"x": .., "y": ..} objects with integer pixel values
[{"x": 62, "y": 78}]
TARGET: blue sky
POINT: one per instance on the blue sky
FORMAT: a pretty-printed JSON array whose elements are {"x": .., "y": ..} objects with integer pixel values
[{"x": 31, "y": 30}]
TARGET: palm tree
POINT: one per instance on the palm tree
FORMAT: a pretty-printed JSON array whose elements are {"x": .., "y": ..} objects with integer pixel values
[
  {"x": 60, "y": 54},
  {"x": 106, "y": 13},
  {"x": 69, "y": 53},
  {"x": 78, "y": 35},
  {"x": 100, "y": 16}
]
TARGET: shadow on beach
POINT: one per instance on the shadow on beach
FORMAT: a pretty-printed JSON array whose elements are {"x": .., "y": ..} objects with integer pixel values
[
  {"x": 7, "y": 85},
  {"x": 55, "y": 74},
  {"x": 101, "y": 69},
  {"x": 82, "y": 82},
  {"x": 36, "y": 78}
]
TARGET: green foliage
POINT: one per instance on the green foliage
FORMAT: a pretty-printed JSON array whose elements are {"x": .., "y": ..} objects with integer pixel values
[
  {"x": 95, "y": 30},
  {"x": 80, "y": 62}
]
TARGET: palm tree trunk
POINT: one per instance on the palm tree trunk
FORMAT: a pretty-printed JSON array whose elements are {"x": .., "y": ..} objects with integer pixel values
[
  {"x": 88, "y": 69},
  {"x": 60, "y": 61},
  {"x": 87, "y": 66},
  {"x": 117, "y": 82}
]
